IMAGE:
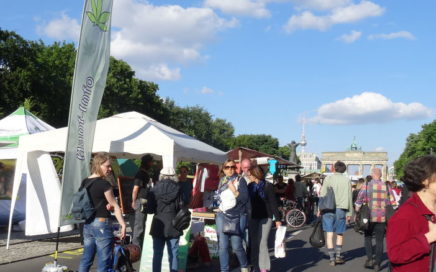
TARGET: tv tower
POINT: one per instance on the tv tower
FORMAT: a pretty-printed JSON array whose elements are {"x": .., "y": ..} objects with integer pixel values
[{"x": 303, "y": 141}]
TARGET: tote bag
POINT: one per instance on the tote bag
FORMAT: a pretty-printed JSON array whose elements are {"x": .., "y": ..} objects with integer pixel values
[
  {"x": 317, "y": 238},
  {"x": 327, "y": 203}
]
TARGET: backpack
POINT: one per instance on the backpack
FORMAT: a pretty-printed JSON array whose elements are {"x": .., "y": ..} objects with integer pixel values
[{"x": 83, "y": 209}]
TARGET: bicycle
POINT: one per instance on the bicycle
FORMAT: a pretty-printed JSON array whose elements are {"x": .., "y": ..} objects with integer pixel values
[{"x": 293, "y": 215}]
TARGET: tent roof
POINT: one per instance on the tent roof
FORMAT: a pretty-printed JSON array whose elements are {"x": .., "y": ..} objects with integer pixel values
[
  {"x": 130, "y": 135},
  {"x": 20, "y": 122}
]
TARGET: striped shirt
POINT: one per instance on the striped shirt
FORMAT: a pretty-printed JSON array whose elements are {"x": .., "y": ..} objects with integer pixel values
[{"x": 374, "y": 193}]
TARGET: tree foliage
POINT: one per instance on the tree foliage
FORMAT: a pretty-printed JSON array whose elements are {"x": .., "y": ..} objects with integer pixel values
[
  {"x": 261, "y": 142},
  {"x": 39, "y": 76},
  {"x": 197, "y": 122},
  {"x": 422, "y": 143}
]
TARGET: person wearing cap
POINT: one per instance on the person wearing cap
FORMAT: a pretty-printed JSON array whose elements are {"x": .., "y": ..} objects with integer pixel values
[
  {"x": 163, "y": 202},
  {"x": 139, "y": 197}
]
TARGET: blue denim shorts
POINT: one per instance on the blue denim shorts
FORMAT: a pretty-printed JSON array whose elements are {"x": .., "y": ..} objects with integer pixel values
[{"x": 334, "y": 222}]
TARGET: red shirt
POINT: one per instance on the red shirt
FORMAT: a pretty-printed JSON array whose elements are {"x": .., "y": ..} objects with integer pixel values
[{"x": 408, "y": 249}]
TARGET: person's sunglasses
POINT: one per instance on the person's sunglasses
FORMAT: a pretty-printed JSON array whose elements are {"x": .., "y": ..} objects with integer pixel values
[{"x": 230, "y": 167}]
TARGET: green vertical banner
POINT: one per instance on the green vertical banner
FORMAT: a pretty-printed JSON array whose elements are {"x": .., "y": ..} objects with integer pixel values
[{"x": 92, "y": 64}]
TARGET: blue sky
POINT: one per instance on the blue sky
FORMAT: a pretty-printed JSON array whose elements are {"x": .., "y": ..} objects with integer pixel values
[{"x": 350, "y": 67}]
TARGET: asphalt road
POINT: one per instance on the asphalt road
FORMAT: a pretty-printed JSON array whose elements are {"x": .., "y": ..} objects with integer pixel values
[{"x": 300, "y": 256}]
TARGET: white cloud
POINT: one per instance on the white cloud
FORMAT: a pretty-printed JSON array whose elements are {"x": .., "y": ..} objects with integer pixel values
[
  {"x": 339, "y": 15},
  {"x": 155, "y": 40},
  {"x": 395, "y": 35},
  {"x": 64, "y": 28},
  {"x": 320, "y": 4},
  {"x": 158, "y": 72},
  {"x": 207, "y": 90},
  {"x": 368, "y": 107},
  {"x": 240, "y": 7},
  {"x": 350, "y": 38},
  {"x": 380, "y": 149}
]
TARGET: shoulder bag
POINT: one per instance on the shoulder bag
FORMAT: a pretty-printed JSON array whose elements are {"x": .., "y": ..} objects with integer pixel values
[
  {"x": 364, "y": 215},
  {"x": 327, "y": 203},
  {"x": 231, "y": 223}
]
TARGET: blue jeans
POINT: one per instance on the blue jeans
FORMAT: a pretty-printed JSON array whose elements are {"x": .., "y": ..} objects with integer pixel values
[
  {"x": 235, "y": 241},
  {"x": 97, "y": 238},
  {"x": 173, "y": 250}
]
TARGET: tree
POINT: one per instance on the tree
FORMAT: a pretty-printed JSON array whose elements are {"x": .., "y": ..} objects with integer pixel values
[
  {"x": 284, "y": 152},
  {"x": 222, "y": 134},
  {"x": 198, "y": 123},
  {"x": 422, "y": 143},
  {"x": 17, "y": 70},
  {"x": 260, "y": 142},
  {"x": 124, "y": 92}
]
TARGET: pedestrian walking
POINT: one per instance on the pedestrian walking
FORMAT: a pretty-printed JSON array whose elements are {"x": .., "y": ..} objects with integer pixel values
[
  {"x": 378, "y": 195},
  {"x": 264, "y": 207},
  {"x": 411, "y": 232},
  {"x": 335, "y": 221},
  {"x": 98, "y": 231}
]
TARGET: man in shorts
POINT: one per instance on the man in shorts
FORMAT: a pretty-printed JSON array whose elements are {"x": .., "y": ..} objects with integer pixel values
[{"x": 336, "y": 221}]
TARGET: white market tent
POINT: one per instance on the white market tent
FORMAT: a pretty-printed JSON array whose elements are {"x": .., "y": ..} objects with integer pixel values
[
  {"x": 20, "y": 122},
  {"x": 125, "y": 135}
]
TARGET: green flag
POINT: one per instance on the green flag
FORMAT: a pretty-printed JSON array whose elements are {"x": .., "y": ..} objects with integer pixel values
[{"x": 92, "y": 63}]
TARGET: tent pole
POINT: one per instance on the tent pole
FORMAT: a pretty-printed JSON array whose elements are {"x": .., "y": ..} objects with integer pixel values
[{"x": 57, "y": 247}]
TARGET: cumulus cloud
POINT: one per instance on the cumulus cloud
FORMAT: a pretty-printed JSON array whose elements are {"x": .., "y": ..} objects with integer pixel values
[
  {"x": 368, "y": 107},
  {"x": 351, "y": 37},
  {"x": 320, "y": 4},
  {"x": 339, "y": 15},
  {"x": 240, "y": 7},
  {"x": 158, "y": 72},
  {"x": 64, "y": 28},
  {"x": 380, "y": 149},
  {"x": 207, "y": 90},
  {"x": 395, "y": 35},
  {"x": 155, "y": 40}
]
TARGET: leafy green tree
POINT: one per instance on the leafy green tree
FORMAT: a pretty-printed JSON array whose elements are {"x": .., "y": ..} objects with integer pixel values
[
  {"x": 124, "y": 92},
  {"x": 17, "y": 70},
  {"x": 222, "y": 134},
  {"x": 260, "y": 142},
  {"x": 422, "y": 143},
  {"x": 284, "y": 152}
]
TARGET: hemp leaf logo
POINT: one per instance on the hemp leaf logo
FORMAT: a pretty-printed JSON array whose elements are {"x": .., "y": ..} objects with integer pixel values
[{"x": 98, "y": 17}]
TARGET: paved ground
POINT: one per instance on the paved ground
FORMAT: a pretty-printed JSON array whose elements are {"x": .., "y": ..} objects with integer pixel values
[{"x": 300, "y": 256}]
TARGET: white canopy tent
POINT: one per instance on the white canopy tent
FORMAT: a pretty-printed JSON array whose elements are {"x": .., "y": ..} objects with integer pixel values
[
  {"x": 20, "y": 122},
  {"x": 125, "y": 135}
]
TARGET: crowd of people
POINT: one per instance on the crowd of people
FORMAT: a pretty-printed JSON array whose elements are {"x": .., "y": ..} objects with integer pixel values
[{"x": 247, "y": 208}]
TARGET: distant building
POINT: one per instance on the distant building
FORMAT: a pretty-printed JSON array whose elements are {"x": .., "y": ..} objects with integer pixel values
[
  {"x": 359, "y": 163},
  {"x": 310, "y": 162}
]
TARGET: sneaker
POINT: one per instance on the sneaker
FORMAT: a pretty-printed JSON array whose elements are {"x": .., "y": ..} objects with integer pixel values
[
  {"x": 369, "y": 263},
  {"x": 339, "y": 260},
  {"x": 332, "y": 263}
]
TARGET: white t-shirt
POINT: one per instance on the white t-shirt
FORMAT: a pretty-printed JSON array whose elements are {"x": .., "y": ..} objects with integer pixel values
[{"x": 316, "y": 189}]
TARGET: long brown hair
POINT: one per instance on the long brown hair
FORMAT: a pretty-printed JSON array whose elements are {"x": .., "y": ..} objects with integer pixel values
[{"x": 97, "y": 161}]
